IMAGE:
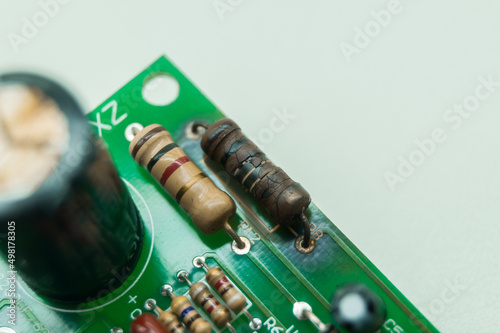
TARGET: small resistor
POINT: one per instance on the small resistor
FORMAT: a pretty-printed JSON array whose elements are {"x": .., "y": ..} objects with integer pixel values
[
  {"x": 168, "y": 319},
  {"x": 216, "y": 278},
  {"x": 146, "y": 323},
  {"x": 234, "y": 299},
  {"x": 183, "y": 308},
  {"x": 208, "y": 206},
  {"x": 201, "y": 294}
]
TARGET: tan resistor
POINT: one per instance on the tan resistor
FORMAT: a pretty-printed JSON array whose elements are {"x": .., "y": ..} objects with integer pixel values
[
  {"x": 219, "y": 314},
  {"x": 218, "y": 280},
  {"x": 167, "y": 318},
  {"x": 235, "y": 300},
  {"x": 183, "y": 308},
  {"x": 208, "y": 206},
  {"x": 169, "y": 321}
]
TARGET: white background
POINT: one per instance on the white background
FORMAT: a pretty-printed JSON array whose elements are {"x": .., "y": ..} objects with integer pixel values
[{"x": 436, "y": 236}]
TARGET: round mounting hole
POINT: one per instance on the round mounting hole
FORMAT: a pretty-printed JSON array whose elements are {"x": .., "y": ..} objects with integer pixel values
[{"x": 160, "y": 89}]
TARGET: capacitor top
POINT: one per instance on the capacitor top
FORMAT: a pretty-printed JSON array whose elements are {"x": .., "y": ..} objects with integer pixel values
[{"x": 220, "y": 314}]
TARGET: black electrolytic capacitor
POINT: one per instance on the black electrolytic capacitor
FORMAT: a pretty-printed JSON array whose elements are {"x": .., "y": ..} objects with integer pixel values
[{"x": 78, "y": 234}]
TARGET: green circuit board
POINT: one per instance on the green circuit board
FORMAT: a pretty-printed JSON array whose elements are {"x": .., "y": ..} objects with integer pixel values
[{"x": 273, "y": 275}]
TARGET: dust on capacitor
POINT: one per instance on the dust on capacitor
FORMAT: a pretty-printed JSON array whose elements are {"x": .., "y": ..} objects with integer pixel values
[
  {"x": 209, "y": 208},
  {"x": 284, "y": 199}
]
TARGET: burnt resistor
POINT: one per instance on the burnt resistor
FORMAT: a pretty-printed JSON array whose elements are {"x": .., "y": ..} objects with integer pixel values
[
  {"x": 199, "y": 292},
  {"x": 183, "y": 308},
  {"x": 284, "y": 199},
  {"x": 166, "y": 317},
  {"x": 208, "y": 206},
  {"x": 235, "y": 300}
]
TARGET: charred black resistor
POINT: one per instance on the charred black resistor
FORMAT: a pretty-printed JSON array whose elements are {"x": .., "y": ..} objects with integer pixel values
[{"x": 284, "y": 199}]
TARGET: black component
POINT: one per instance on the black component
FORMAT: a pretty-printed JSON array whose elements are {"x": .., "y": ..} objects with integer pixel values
[
  {"x": 284, "y": 199},
  {"x": 358, "y": 309},
  {"x": 79, "y": 235}
]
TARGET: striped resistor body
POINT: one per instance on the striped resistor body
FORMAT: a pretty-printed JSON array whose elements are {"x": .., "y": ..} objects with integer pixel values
[
  {"x": 201, "y": 294},
  {"x": 208, "y": 206},
  {"x": 284, "y": 199},
  {"x": 234, "y": 299},
  {"x": 183, "y": 308},
  {"x": 170, "y": 321}
]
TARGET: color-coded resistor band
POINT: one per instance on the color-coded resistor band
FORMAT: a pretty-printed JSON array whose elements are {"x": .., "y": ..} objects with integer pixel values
[
  {"x": 183, "y": 308},
  {"x": 199, "y": 292},
  {"x": 208, "y": 206},
  {"x": 167, "y": 318},
  {"x": 234, "y": 299},
  {"x": 284, "y": 199}
]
